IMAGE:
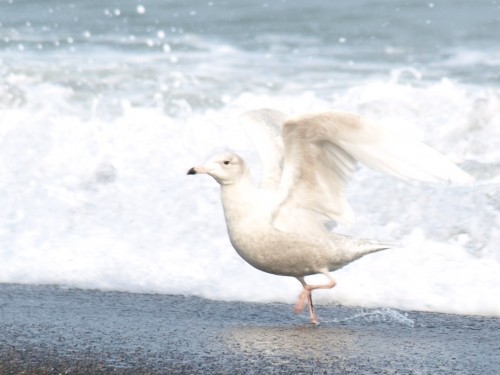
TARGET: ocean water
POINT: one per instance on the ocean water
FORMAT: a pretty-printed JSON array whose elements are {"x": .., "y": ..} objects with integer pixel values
[{"x": 104, "y": 106}]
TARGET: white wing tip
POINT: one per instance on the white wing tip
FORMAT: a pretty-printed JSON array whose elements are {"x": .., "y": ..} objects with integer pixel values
[
  {"x": 450, "y": 174},
  {"x": 460, "y": 177}
]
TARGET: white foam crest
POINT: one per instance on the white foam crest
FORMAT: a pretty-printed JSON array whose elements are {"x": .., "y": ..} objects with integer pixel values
[
  {"x": 104, "y": 202},
  {"x": 470, "y": 57},
  {"x": 425, "y": 276}
]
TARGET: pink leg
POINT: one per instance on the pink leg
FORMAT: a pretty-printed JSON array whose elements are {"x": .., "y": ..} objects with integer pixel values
[{"x": 306, "y": 295}]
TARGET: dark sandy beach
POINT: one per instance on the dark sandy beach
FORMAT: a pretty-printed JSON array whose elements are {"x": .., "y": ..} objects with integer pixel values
[{"x": 51, "y": 330}]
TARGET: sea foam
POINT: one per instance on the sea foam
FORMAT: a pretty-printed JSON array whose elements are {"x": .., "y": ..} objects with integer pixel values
[{"x": 101, "y": 199}]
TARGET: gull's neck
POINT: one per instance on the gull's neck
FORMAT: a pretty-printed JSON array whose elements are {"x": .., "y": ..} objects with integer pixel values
[{"x": 238, "y": 200}]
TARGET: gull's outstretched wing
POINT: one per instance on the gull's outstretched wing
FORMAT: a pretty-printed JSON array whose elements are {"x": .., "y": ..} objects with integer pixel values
[
  {"x": 320, "y": 153},
  {"x": 264, "y": 126}
]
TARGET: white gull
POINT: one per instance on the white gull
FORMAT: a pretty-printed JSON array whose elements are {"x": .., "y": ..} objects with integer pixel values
[{"x": 279, "y": 227}]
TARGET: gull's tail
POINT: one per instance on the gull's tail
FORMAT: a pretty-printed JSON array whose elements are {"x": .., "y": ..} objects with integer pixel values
[{"x": 355, "y": 248}]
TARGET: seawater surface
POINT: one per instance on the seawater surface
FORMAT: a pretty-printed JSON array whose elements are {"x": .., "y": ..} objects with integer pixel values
[{"x": 104, "y": 107}]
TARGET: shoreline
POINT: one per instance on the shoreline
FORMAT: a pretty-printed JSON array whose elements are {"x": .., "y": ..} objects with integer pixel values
[{"x": 52, "y": 330}]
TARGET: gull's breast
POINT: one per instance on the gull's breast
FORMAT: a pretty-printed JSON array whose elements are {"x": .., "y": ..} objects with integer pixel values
[{"x": 282, "y": 253}]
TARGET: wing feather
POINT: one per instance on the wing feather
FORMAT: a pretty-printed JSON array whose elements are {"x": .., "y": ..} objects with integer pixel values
[
  {"x": 320, "y": 154},
  {"x": 264, "y": 127}
]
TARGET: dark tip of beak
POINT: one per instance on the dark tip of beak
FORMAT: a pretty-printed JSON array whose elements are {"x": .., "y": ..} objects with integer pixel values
[{"x": 192, "y": 171}]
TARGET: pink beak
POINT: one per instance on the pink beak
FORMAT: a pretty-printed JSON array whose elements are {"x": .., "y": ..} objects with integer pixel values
[{"x": 196, "y": 170}]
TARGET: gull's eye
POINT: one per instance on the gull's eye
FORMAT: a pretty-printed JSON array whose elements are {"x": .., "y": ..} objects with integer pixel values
[{"x": 226, "y": 162}]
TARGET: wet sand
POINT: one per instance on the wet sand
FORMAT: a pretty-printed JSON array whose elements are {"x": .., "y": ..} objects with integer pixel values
[{"x": 52, "y": 330}]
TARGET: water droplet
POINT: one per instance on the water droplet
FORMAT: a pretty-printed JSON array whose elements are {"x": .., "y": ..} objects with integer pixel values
[{"x": 140, "y": 9}]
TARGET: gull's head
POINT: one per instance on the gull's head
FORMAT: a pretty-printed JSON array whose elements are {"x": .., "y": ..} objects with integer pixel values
[{"x": 225, "y": 168}]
